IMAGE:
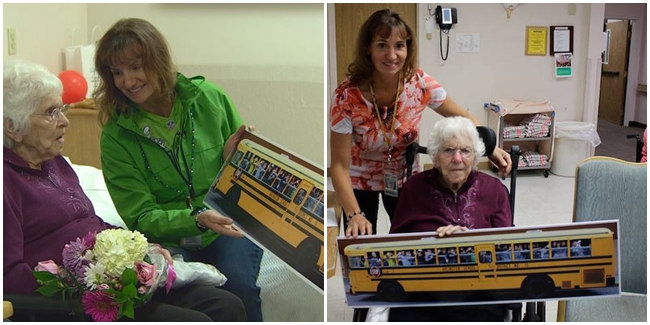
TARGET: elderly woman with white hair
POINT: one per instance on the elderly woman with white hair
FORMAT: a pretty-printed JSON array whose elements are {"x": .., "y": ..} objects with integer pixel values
[
  {"x": 453, "y": 196},
  {"x": 44, "y": 206}
]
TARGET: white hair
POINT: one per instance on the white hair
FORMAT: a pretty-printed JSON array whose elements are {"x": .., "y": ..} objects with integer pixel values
[
  {"x": 27, "y": 86},
  {"x": 455, "y": 127}
]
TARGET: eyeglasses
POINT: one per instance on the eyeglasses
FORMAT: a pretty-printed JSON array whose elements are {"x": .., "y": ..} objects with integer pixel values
[
  {"x": 54, "y": 115},
  {"x": 464, "y": 152}
]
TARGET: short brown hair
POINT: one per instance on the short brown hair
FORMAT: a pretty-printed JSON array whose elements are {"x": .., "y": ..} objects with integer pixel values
[
  {"x": 128, "y": 38},
  {"x": 381, "y": 23}
]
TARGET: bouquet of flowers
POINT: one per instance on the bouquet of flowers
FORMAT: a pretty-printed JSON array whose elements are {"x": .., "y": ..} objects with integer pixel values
[{"x": 107, "y": 274}]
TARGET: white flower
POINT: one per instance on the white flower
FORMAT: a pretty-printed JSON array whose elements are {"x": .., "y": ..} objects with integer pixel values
[
  {"x": 95, "y": 276},
  {"x": 117, "y": 249}
]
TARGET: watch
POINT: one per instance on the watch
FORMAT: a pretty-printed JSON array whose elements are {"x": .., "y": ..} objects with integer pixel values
[{"x": 195, "y": 213}]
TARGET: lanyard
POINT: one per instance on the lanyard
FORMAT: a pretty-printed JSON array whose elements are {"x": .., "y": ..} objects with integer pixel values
[{"x": 387, "y": 141}]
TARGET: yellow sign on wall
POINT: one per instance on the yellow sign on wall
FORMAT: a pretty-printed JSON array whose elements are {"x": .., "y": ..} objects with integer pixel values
[{"x": 536, "y": 40}]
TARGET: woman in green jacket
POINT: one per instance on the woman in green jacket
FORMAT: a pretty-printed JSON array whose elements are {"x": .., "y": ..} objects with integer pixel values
[{"x": 164, "y": 139}]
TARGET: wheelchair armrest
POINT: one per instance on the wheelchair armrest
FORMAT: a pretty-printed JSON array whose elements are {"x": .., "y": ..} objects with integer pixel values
[{"x": 27, "y": 303}]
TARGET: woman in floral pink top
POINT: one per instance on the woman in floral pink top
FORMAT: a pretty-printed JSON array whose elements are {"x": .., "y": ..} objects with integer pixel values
[{"x": 375, "y": 115}]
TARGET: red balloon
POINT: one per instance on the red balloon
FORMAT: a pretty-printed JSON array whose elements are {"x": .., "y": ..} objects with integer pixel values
[{"x": 75, "y": 86}]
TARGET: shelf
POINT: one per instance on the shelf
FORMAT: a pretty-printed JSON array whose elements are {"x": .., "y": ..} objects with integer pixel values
[
  {"x": 526, "y": 139},
  {"x": 547, "y": 166}
]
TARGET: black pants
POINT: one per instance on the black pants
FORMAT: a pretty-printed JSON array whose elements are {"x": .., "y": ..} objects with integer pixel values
[
  {"x": 193, "y": 303},
  {"x": 482, "y": 313},
  {"x": 369, "y": 204}
]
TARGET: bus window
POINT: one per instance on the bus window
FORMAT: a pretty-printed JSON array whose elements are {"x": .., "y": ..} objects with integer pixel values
[
  {"x": 373, "y": 259},
  {"x": 522, "y": 252},
  {"x": 540, "y": 250},
  {"x": 281, "y": 181},
  {"x": 452, "y": 256},
  {"x": 429, "y": 256},
  {"x": 291, "y": 188},
  {"x": 580, "y": 247},
  {"x": 313, "y": 198},
  {"x": 389, "y": 259},
  {"x": 504, "y": 252},
  {"x": 320, "y": 208},
  {"x": 467, "y": 255},
  {"x": 559, "y": 249},
  {"x": 260, "y": 169},
  {"x": 405, "y": 258},
  {"x": 442, "y": 256},
  {"x": 235, "y": 158},
  {"x": 300, "y": 196},
  {"x": 357, "y": 262},
  {"x": 485, "y": 257},
  {"x": 271, "y": 175}
]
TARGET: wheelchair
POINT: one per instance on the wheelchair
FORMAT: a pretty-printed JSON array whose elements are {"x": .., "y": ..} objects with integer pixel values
[{"x": 534, "y": 311}]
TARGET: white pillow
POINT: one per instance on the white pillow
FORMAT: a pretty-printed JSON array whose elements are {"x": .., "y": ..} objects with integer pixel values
[{"x": 92, "y": 182}]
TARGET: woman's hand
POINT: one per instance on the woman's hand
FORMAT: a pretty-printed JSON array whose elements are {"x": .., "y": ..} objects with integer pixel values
[
  {"x": 218, "y": 223},
  {"x": 502, "y": 159},
  {"x": 448, "y": 230},
  {"x": 167, "y": 255},
  {"x": 234, "y": 139},
  {"x": 358, "y": 225}
]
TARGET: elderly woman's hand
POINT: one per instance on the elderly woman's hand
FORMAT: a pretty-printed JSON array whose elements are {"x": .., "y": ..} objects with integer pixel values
[
  {"x": 358, "y": 225},
  {"x": 502, "y": 159},
  {"x": 450, "y": 229}
]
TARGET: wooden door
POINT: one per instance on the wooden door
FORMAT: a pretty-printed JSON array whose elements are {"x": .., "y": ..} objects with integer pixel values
[
  {"x": 350, "y": 16},
  {"x": 613, "y": 80}
]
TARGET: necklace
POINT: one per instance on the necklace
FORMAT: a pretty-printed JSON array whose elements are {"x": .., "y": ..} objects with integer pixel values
[
  {"x": 387, "y": 135},
  {"x": 187, "y": 176}
]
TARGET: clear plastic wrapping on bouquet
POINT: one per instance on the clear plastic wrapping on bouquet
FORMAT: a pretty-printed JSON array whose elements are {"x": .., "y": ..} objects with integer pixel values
[{"x": 184, "y": 272}]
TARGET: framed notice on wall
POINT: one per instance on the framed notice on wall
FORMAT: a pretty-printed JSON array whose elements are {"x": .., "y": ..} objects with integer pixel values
[
  {"x": 536, "y": 40},
  {"x": 561, "y": 39}
]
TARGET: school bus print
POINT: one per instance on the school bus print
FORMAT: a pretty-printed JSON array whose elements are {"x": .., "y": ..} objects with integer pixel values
[
  {"x": 521, "y": 266},
  {"x": 276, "y": 198}
]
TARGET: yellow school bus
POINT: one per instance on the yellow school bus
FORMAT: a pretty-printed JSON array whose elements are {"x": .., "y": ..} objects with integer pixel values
[
  {"x": 279, "y": 202},
  {"x": 537, "y": 263}
]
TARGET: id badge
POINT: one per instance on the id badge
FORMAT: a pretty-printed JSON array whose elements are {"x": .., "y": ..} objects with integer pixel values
[{"x": 390, "y": 181}]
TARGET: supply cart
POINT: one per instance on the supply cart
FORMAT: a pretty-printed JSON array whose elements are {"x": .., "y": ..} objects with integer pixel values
[{"x": 527, "y": 124}]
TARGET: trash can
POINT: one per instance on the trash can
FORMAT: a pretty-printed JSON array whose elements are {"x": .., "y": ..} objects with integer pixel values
[{"x": 572, "y": 141}]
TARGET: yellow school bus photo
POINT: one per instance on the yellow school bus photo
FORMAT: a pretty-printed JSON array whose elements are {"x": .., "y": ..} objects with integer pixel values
[
  {"x": 276, "y": 198},
  {"x": 535, "y": 265}
]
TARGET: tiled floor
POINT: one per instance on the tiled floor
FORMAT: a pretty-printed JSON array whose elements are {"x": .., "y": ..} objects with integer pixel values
[{"x": 538, "y": 200}]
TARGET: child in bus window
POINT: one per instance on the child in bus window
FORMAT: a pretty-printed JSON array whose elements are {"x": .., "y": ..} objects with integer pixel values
[
  {"x": 429, "y": 257},
  {"x": 374, "y": 259},
  {"x": 260, "y": 169}
]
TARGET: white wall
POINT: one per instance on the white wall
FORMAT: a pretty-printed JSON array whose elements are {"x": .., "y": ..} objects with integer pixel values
[
  {"x": 501, "y": 70},
  {"x": 43, "y": 31},
  {"x": 268, "y": 57}
]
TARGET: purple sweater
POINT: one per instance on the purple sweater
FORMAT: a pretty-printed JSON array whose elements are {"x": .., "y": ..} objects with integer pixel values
[
  {"x": 43, "y": 210},
  {"x": 425, "y": 205}
]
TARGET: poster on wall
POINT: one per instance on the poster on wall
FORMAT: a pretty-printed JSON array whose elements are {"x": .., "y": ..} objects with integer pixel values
[
  {"x": 275, "y": 197},
  {"x": 483, "y": 266},
  {"x": 563, "y": 66}
]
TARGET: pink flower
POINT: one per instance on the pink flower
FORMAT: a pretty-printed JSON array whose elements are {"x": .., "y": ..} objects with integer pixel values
[
  {"x": 146, "y": 273},
  {"x": 171, "y": 277},
  {"x": 48, "y": 266},
  {"x": 142, "y": 290},
  {"x": 100, "y": 306}
]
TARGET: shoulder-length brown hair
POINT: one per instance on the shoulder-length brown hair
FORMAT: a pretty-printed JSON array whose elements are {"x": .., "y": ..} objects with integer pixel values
[
  {"x": 381, "y": 23},
  {"x": 128, "y": 39}
]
